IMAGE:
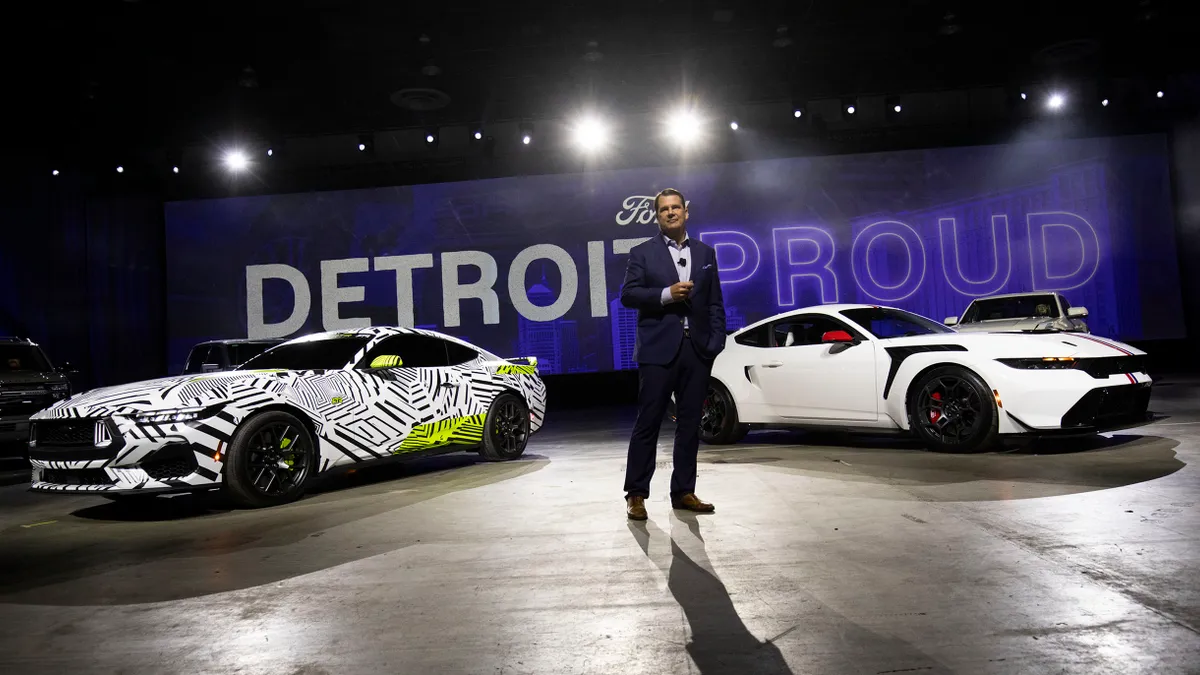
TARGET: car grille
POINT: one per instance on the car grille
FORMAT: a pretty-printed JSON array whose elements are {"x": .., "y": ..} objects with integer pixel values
[
  {"x": 1112, "y": 365},
  {"x": 1110, "y": 406},
  {"x": 76, "y": 477},
  {"x": 69, "y": 432},
  {"x": 24, "y": 401}
]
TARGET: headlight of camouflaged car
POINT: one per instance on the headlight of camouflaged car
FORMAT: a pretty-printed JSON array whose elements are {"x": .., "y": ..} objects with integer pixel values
[
  {"x": 59, "y": 390},
  {"x": 177, "y": 415},
  {"x": 1045, "y": 363}
]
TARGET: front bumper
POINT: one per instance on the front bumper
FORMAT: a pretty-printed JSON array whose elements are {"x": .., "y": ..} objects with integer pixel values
[
  {"x": 113, "y": 455},
  {"x": 1101, "y": 409},
  {"x": 14, "y": 429}
]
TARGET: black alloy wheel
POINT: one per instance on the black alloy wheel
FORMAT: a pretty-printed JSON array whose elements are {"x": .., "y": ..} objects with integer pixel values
[
  {"x": 270, "y": 460},
  {"x": 718, "y": 417},
  {"x": 506, "y": 428},
  {"x": 951, "y": 410}
]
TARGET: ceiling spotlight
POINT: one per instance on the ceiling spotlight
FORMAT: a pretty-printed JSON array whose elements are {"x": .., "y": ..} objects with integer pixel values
[
  {"x": 478, "y": 135},
  {"x": 1056, "y": 101},
  {"x": 733, "y": 125},
  {"x": 527, "y": 139},
  {"x": 526, "y": 133},
  {"x": 120, "y": 169},
  {"x": 1159, "y": 94},
  {"x": 362, "y": 147},
  {"x": 590, "y": 134},
  {"x": 896, "y": 108},
  {"x": 270, "y": 152},
  {"x": 429, "y": 138},
  {"x": 797, "y": 113},
  {"x": 235, "y": 160},
  {"x": 684, "y": 126},
  {"x": 54, "y": 172},
  {"x": 1104, "y": 103},
  {"x": 1023, "y": 96},
  {"x": 850, "y": 109},
  {"x": 174, "y": 169}
]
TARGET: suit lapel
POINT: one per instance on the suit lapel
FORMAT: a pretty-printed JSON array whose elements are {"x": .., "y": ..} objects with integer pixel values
[{"x": 665, "y": 262}]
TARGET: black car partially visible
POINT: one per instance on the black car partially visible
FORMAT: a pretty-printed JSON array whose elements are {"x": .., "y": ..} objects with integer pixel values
[{"x": 28, "y": 383}]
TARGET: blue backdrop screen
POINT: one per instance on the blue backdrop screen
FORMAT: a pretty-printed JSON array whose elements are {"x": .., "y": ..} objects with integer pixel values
[{"x": 532, "y": 266}]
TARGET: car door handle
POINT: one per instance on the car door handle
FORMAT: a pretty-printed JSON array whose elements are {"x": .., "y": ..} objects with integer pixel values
[{"x": 772, "y": 364}]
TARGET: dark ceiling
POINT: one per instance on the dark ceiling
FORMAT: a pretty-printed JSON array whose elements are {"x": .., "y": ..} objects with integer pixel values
[{"x": 161, "y": 72}]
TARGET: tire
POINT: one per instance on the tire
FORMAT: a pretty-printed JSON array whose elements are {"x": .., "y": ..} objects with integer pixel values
[
  {"x": 718, "y": 417},
  {"x": 270, "y": 460},
  {"x": 506, "y": 428},
  {"x": 950, "y": 409}
]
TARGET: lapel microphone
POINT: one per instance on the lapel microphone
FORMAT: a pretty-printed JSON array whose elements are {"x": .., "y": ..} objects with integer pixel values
[{"x": 682, "y": 262}]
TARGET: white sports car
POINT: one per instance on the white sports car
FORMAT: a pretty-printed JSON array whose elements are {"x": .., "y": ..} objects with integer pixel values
[
  {"x": 878, "y": 368},
  {"x": 263, "y": 431}
]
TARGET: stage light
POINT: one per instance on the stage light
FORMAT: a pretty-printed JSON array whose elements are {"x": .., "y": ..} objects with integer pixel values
[
  {"x": 270, "y": 152},
  {"x": 850, "y": 109},
  {"x": 1056, "y": 101},
  {"x": 362, "y": 147},
  {"x": 1104, "y": 103},
  {"x": 174, "y": 169},
  {"x": 797, "y": 113},
  {"x": 684, "y": 126},
  {"x": 236, "y": 160},
  {"x": 54, "y": 172},
  {"x": 1023, "y": 96},
  {"x": 733, "y": 125},
  {"x": 590, "y": 134},
  {"x": 120, "y": 169},
  {"x": 527, "y": 139},
  {"x": 478, "y": 135},
  {"x": 1160, "y": 94},
  {"x": 429, "y": 138},
  {"x": 892, "y": 107}
]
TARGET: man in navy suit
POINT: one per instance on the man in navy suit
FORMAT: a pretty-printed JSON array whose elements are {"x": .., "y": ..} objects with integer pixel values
[{"x": 671, "y": 280}]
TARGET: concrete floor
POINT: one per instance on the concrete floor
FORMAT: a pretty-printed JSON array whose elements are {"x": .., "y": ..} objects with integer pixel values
[{"x": 847, "y": 556}]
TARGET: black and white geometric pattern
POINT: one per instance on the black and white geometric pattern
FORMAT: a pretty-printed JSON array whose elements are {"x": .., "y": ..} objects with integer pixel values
[{"x": 356, "y": 415}]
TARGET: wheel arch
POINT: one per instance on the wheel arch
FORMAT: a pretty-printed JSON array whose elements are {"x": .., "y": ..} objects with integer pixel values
[
  {"x": 911, "y": 385},
  {"x": 296, "y": 412}
]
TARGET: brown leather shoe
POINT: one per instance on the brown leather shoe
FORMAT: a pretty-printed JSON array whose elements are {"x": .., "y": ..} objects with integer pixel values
[
  {"x": 691, "y": 502},
  {"x": 635, "y": 507}
]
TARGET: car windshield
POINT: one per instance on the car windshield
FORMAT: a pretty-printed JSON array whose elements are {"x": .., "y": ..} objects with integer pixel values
[
  {"x": 331, "y": 353},
  {"x": 883, "y": 322},
  {"x": 1017, "y": 307},
  {"x": 18, "y": 357}
]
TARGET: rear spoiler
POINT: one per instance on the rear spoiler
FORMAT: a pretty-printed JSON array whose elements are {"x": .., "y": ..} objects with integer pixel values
[{"x": 520, "y": 364}]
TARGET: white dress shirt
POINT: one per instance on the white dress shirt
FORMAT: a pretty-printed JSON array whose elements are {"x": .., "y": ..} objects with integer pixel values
[{"x": 679, "y": 252}]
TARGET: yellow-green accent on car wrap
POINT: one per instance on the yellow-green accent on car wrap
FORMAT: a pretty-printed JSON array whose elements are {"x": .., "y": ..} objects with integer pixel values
[
  {"x": 386, "y": 361},
  {"x": 516, "y": 370},
  {"x": 454, "y": 431}
]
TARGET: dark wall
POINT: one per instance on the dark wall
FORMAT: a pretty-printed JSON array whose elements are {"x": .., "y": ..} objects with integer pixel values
[{"x": 81, "y": 273}]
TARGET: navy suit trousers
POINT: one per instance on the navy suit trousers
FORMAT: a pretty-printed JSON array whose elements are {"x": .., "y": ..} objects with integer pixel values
[{"x": 687, "y": 377}]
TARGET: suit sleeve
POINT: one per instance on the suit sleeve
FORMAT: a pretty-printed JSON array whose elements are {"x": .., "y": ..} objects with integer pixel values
[
  {"x": 634, "y": 292},
  {"x": 716, "y": 311}
]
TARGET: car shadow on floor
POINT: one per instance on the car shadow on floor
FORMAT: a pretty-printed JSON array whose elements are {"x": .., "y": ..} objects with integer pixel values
[
  {"x": 1054, "y": 468},
  {"x": 190, "y": 546}
]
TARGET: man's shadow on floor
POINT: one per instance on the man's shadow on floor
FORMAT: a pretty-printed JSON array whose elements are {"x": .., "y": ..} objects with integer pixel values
[{"x": 720, "y": 642}]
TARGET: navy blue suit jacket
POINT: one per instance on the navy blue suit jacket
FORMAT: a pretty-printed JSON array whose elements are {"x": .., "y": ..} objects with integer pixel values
[{"x": 650, "y": 269}]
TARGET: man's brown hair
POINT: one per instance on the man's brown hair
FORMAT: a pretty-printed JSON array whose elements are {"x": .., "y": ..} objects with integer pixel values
[{"x": 667, "y": 193}]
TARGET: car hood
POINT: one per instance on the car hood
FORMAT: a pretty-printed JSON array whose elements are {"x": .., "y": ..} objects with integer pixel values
[
  {"x": 168, "y": 393},
  {"x": 1022, "y": 345},
  {"x": 1031, "y": 323},
  {"x": 20, "y": 379}
]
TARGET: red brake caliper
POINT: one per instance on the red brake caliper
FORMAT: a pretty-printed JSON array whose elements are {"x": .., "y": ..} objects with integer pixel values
[{"x": 935, "y": 415}]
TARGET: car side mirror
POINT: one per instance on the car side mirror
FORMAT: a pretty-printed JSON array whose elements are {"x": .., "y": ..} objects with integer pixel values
[
  {"x": 951, "y": 321},
  {"x": 386, "y": 361},
  {"x": 1077, "y": 312},
  {"x": 840, "y": 339}
]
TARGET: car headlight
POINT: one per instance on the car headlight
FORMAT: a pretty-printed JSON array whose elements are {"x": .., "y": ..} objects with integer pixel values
[
  {"x": 58, "y": 391},
  {"x": 1044, "y": 363},
  {"x": 176, "y": 415}
]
